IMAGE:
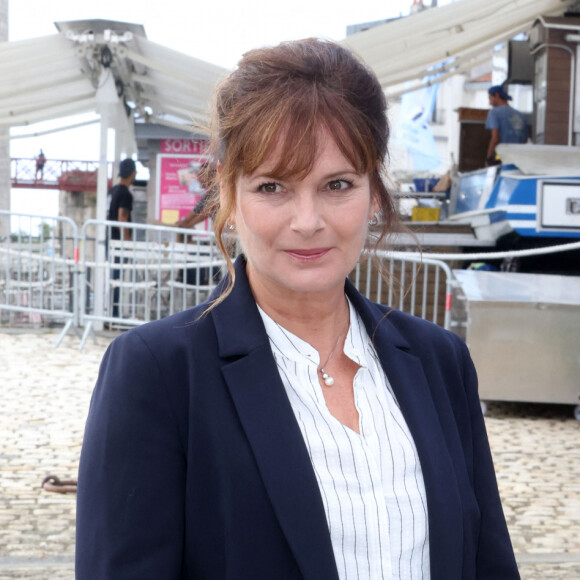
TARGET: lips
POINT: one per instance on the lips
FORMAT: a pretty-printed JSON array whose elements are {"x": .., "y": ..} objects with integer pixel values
[{"x": 308, "y": 255}]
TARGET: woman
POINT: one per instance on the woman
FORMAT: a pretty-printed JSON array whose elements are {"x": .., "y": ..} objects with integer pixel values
[{"x": 290, "y": 428}]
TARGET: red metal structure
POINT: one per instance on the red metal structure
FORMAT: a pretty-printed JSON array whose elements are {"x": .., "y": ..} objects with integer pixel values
[{"x": 58, "y": 174}]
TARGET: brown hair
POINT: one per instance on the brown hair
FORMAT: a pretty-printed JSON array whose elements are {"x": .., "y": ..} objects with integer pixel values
[{"x": 293, "y": 90}]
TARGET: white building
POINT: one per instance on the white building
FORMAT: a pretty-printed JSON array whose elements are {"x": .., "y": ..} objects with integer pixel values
[{"x": 464, "y": 90}]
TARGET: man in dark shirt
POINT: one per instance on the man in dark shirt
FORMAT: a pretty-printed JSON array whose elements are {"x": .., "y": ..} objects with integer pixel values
[
  {"x": 121, "y": 199},
  {"x": 120, "y": 207}
]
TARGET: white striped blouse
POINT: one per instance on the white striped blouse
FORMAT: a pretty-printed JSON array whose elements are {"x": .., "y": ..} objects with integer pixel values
[{"x": 371, "y": 484}]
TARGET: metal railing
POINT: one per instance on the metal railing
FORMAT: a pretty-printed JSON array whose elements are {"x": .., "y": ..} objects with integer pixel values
[
  {"x": 38, "y": 270},
  {"x": 61, "y": 174},
  {"x": 408, "y": 281},
  {"x": 134, "y": 273},
  {"x": 51, "y": 271}
]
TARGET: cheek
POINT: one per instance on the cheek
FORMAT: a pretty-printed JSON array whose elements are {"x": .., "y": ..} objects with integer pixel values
[
  {"x": 245, "y": 217},
  {"x": 364, "y": 212},
  {"x": 255, "y": 227},
  {"x": 352, "y": 227}
]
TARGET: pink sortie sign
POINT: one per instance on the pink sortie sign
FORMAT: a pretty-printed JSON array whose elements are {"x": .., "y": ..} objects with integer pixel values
[{"x": 178, "y": 166}]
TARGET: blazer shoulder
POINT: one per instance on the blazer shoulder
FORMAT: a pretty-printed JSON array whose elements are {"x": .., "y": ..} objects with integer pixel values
[
  {"x": 172, "y": 344},
  {"x": 185, "y": 324}
]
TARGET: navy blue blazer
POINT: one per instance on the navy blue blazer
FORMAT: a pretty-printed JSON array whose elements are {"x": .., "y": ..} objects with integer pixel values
[{"x": 193, "y": 464}]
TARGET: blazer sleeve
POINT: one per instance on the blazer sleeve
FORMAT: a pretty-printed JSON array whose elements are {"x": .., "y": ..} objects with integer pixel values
[
  {"x": 495, "y": 558},
  {"x": 130, "y": 510}
]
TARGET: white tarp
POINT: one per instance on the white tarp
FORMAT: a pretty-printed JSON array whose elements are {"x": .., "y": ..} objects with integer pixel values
[
  {"x": 175, "y": 84},
  {"x": 452, "y": 38},
  {"x": 51, "y": 77},
  {"x": 42, "y": 80}
]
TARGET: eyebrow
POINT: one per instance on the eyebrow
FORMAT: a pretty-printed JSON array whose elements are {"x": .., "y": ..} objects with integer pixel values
[
  {"x": 352, "y": 170},
  {"x": 333, "y": 174}
]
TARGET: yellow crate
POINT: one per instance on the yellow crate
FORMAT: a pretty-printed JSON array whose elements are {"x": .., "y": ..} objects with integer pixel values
[{"x": 425, "y": 214}]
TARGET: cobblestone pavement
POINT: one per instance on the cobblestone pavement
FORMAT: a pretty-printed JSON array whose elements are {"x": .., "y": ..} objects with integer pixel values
[{"x": 45, "y": 394}]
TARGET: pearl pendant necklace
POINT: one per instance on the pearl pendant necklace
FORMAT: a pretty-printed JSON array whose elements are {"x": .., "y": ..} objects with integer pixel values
[{"x": 328, "y": 380}]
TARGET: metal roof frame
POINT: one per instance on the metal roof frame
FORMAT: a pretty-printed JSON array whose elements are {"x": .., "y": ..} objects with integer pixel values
[{"x": 58, "y": 76}]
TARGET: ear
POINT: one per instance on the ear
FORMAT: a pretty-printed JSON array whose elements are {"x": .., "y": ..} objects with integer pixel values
[{"x": 375, "y": 207}]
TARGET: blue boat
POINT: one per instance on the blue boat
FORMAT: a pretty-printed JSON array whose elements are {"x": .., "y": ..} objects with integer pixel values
[{"x": 535, "y": 193}]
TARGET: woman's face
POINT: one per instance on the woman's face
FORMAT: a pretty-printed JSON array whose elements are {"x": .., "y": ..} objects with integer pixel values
[{"x": 303, "y": 235}]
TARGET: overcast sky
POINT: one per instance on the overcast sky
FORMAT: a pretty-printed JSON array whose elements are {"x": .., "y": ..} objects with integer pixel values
[{"x": 219, "y": 33}]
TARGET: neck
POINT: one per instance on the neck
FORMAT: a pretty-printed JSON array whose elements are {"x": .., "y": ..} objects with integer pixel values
[{"x": 317, "y": 318}]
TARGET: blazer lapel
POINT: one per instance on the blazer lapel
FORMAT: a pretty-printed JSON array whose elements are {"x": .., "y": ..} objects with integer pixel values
[
  {"x": 407, "y": 378},
  {"x": 272, "y": 430}
]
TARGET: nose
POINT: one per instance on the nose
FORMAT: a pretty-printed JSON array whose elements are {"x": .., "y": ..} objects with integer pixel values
[{"x": 307, "y": 216}]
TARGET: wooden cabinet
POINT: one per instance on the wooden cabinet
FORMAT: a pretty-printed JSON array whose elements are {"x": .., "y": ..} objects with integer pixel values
[{"x": 473, "y": 139}]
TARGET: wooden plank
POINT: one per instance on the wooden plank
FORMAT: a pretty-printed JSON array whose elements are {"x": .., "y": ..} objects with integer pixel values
[
  {"x": 559, "y": 59},
  {"x": 558, "y": 98},
  {"x": 562, "y": 86},
  {"x": 556, "y": 134},
  {"x": 558, "y": 75},
  {"x": 557, "y": 117}
]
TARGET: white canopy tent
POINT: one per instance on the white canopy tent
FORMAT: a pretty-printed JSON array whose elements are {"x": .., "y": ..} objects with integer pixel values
[
  {"x": 447, "y": 40},
  {"x": 61, "y": 75}
]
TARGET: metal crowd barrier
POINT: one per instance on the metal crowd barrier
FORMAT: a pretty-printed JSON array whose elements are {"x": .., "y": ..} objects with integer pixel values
[
  {"x": 408, "y": 281},
  {"x": 50, "y": 270},
  {"x": 38, "y": 271},
  {"x": 134, "y": 273}
]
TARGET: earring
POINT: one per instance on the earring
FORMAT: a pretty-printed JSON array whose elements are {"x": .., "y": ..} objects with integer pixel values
[
  {"x": 231, "y": 227},
  {"x": 374, "y": 221}
]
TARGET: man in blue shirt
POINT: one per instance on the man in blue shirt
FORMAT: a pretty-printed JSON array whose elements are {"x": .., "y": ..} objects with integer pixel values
[{"x": 506, "y": 124}]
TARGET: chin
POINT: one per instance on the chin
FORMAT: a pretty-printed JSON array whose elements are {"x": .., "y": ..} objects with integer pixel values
[
  {"x": 300, "y": 279},
  {"x": 315, "y": 282}
]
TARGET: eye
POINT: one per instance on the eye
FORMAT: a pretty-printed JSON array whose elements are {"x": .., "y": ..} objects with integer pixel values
[
  {"x": 339, "y": 184},
  {"x": 270, "y": 188}
]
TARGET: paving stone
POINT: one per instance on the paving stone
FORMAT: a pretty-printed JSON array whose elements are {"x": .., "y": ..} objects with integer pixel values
[{"x": 45, "y": 395}]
